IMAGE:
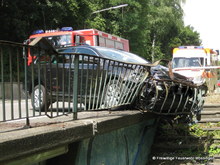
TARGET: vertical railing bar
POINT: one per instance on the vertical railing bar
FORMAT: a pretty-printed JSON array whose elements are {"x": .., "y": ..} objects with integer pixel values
[
  {"x": 96, "y": 82},
  {"x": 45, "y": 85},
  {"x": 11, "y": 84},
  {"x": 39, "y": 79},
  {"x": 105, "y": 81},
  {"x": 81, "y": 81},
  {"x": 115, "y": 79},
  {"x": 98, "y": 104},
  {"x": 75, "y": 86},
  {"x": 69, "y": 78},
  {"x": 51, "y": 91},
  {"x": 63, "y": 83},
  {"x": 91, "y": 84},
  {"x": 2, "y": 84},
  {"x": 57, "y": 86},
  {"x": 33, "y": 84},
  {"x": 87, "y": 80},
  {"x": 19, "y": 85},
  {"x": 25, "y": 87}
]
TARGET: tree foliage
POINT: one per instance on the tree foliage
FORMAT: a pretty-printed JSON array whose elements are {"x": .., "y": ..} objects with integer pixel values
[{"x": 153, "y": 27}]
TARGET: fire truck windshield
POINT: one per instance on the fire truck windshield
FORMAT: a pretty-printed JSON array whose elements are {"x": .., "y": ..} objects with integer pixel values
[
  {"x": 182, "y": 62},
  {"x": 59, "y": 40}
]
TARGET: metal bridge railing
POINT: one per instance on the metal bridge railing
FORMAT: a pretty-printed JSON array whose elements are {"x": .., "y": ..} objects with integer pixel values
[
  {"x": 55, "y": 84},
  {"x": 37, "y": 80}
]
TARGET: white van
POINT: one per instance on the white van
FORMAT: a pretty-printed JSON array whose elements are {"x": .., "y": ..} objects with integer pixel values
[{"x": 193, "y": 61}]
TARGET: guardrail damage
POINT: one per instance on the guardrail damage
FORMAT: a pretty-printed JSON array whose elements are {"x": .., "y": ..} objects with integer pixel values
[
  {"x": 170, "y": 94},
  {"x": 58, "y": 82}
]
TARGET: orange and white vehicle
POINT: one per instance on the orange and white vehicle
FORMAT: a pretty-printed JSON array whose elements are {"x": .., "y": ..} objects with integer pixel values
[
  {"x": 197, "y": 63},
  {"x": 66, "y": 36}
]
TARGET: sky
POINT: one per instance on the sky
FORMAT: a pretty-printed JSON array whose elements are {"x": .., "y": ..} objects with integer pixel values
[{"x": 204, "y": 16}]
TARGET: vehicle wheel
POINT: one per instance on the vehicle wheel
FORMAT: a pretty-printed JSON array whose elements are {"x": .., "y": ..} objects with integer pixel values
[
  {"x": 38, "y": 98},
  {"x": 113, "y": 94}
]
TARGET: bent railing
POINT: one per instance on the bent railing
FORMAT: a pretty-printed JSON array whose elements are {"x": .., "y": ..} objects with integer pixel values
[
  {"x": 55, "y": 84},
  {"x": 171, "y": 95}
]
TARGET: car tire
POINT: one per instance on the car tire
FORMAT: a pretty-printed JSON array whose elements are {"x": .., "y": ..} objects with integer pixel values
[
  {"x": 113, "y": 94},
  {"x": 38, "y": 98}
]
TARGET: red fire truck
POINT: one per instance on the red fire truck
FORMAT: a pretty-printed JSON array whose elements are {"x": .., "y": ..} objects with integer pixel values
[{"x": 66, "y": 36}]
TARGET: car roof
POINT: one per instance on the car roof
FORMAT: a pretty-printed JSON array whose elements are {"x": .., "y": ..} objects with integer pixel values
[{"x": 110, "y": 53}]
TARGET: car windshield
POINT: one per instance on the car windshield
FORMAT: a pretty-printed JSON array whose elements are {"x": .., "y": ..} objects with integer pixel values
[
  {"x": 187, "y": 62},
  {"x": 121, "y": 55}
]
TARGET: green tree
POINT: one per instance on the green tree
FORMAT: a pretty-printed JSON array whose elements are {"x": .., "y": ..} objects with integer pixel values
[
  {"x": 20, "y": 18},
  {"x": 189, "y": 37},
  {"x": 153, "y": 27},
  {"x": 165, "y": 17}
]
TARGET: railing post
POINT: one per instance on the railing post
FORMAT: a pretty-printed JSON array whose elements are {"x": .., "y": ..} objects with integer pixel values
[
  {"x": 11, "y": 83},
  {"x": 75, "y": 86},
  {"x": 25, "y": 87},
  {"x": 2, "y": 84}
]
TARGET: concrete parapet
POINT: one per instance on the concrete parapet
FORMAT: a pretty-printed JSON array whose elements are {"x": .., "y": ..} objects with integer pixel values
[{"x": 21, "y": 143}]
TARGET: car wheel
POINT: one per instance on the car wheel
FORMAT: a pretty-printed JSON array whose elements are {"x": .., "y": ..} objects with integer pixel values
[
  {"x": 38, "y": 98},
  {"x": 113, "y": 94}
]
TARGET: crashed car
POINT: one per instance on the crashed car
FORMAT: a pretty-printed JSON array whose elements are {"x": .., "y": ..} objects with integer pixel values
[{"x": 168, "y": 93}]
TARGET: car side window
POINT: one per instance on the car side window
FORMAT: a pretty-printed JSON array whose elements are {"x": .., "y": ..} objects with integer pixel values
[{"x": 85, "y": 51}]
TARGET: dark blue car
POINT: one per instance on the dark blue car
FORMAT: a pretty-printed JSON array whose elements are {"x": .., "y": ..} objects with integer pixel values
[{"x": 106, "y": 78}]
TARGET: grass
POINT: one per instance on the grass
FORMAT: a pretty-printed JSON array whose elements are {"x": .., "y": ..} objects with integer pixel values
[{"x": 204, "y": 138}]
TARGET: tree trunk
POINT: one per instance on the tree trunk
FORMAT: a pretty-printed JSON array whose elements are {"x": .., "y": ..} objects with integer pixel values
[{"x": 153, "y": 47}]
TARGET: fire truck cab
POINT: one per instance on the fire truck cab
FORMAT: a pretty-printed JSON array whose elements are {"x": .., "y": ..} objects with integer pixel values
[{"x": 193, "y": 61}]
